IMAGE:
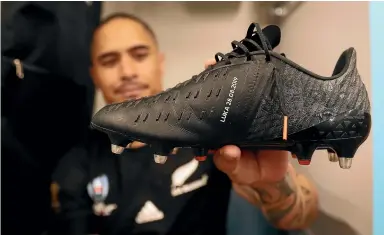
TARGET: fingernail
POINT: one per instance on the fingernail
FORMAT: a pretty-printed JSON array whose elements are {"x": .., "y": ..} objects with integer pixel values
[{"x": 229, "y": 156}]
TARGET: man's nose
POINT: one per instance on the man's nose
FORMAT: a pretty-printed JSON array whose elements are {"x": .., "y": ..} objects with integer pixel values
[{"x": 128, "y": 69}]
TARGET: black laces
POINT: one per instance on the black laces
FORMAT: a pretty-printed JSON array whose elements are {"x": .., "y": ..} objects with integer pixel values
[{"x": 240, "y": 48}]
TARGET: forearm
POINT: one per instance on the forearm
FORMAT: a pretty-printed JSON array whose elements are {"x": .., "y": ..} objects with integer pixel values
[{"x": 289, "y": 204}]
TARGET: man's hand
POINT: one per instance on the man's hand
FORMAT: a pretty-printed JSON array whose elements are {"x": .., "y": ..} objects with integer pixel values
[
  {"x": 266, "y": 179},
  {"x": 251, "y": 168}
]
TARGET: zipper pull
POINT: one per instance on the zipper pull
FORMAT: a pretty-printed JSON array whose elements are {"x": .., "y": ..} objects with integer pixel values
[{"x": 19, "y": 68}]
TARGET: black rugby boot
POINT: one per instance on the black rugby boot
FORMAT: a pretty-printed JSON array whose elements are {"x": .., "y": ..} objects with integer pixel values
[{"x": 254, "y": 98}]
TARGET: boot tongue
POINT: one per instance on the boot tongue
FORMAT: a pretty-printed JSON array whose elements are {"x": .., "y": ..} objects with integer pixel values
[{"x": 272, "y": 34}]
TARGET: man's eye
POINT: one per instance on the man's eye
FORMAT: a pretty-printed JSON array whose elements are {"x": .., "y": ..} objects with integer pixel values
[
  {"x": 109, "y": 63},
  {"x": 140, "y": 56}
]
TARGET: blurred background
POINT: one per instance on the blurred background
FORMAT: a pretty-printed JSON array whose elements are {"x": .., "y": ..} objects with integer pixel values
[{"x": 192, "y": 32}]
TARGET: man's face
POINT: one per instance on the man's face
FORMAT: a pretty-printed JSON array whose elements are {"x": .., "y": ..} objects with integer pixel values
[{"x": 126, "y": 61}]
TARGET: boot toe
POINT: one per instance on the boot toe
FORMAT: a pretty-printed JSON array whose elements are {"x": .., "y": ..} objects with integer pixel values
[{"x": 108, "y": 118}]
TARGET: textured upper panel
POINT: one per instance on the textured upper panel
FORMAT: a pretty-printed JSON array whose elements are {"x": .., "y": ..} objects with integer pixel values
[{"x": 308, "y": 101}]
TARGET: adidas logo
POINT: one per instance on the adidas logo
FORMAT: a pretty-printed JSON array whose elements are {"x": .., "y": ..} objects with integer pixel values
[{"x": 149, "y": 213}]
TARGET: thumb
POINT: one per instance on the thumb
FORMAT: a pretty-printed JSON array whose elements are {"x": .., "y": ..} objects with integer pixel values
[{"x": 227, "y": 159}]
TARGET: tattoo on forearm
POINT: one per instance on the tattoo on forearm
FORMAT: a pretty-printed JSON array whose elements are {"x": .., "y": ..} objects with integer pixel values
[
  {"x": 288, "y": 204},
  {"x": 278, "y": 199},
  {"x": 296, "y": 203},
  {"x": 276, "y": 192},
  {"x": 305, "y": 190}
]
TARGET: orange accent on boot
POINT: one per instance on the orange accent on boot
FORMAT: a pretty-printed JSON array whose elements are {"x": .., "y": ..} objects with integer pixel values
[
  {"x": 285, "y": 128},
  {"x": 201, "y": 158},
  {"x": 304, "y": 162}
]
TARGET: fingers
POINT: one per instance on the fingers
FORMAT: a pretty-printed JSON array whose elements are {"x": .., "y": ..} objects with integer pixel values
[
  {"x": 209, "y": 62},
  {"x": 240, "y": 165},
  {"x": 135, "y": 145},
  {"x": 227, "y": 158},
  {"x": 272, "y": 165}
]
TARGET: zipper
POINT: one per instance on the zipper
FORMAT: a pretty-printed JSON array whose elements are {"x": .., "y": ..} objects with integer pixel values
[{"x": 19, "y": 68}]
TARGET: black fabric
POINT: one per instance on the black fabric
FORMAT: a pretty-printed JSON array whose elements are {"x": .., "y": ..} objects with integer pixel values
[
  {"x": 47, "y": 112},
  {"x": 135, "y": 178}
]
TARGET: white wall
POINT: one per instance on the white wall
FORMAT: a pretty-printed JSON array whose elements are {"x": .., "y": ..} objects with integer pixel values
[
  {"x": 315, "y": 36},
  {"x": 189, "y": 33}
]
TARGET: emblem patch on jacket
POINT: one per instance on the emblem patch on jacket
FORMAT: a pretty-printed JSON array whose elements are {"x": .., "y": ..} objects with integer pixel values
[{"x": 98, "y": 190}]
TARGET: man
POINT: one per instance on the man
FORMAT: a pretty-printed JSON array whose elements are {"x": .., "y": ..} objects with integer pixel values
[
  {"x": 44, "y": 49},
  {"x": 131, "y": 194}
]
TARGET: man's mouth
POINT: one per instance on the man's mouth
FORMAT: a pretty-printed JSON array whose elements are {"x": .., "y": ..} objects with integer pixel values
[{"x": 131, "y": 91}]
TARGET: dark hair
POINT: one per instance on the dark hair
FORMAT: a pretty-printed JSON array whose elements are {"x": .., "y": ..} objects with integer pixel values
[{"x": 121, "y": 15}]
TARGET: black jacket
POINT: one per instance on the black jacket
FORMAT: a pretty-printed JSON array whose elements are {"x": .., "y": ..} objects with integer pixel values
[
  {"x": 45, "y": 111},
  {"x": 139, "y": 187}
]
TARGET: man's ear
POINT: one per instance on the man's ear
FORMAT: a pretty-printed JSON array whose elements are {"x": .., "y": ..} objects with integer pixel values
[{"x": 162, "y": 63}]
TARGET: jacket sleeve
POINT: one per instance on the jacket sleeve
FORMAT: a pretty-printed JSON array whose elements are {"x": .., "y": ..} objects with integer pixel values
[
  {"x": 71, "y": 176},
  {"x": 26, "y": 29},
  {"x": 26, "y": 26}
]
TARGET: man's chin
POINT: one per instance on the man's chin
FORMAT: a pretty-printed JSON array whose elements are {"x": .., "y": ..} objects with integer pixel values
[
  {"x": 123, "y": 99},
  {"x": 120, "y": 99}
]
